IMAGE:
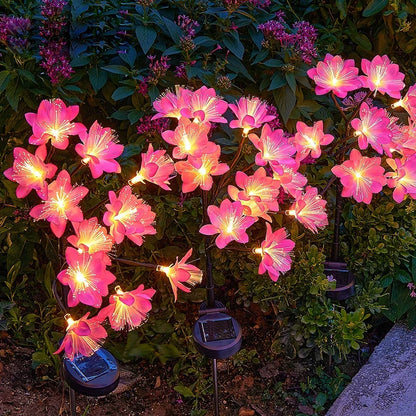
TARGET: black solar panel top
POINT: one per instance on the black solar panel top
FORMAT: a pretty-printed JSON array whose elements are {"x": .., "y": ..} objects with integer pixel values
[{"x": 217, "y": 330}]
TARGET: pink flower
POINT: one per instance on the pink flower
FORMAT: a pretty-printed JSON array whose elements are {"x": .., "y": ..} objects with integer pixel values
[
  {"x": 128, "y": 309},
  {"x": 156, "y": 167},
  {"x": 128, "y": 216},
  {"x": 205, "y": 107},
  {"x": 53, "y": 122},
  {"x": 251, "y": 113},
  {"x": 61, "y": 204},
  {"x": 405, "y": 143},
  {"x": 258, "y": 193},
  {"x": 229, "y": 222},
  {"x": 83, "y": 336},
  {"x": 170, "y": 104},
  {"x": 99, "y": 149},
  {"x": 180, "y": 273},
  {"x": 199, "y": 171},
  {"x": 308, "y": 140},
  {"x": 190, "y": 138},
  {"x": 361, "y": 176},
  {"x": 372, "y": 128},
  {"x": 403, "y": 179},
  {"x": 408, "y": 102},
  {"x": 335, "y": 75},
  {"x": 382, "y": 76},
  {"x": 86, "y": 277},
  {"x": 30, "y": 172},
  {"x": 309, "y": 210},
  {"x": 290, "y": 180},
  {"x": 275, "y": 252},
  {"x": 274, "y": 147}
]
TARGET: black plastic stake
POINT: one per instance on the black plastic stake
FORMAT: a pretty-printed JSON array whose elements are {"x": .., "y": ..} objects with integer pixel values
[
  {"x": 72, "y": 403},
  {"x": 215, "y": 378}
]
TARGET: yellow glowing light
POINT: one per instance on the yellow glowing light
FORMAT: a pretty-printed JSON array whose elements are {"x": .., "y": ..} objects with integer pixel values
[
  {"x": 358, "y": 133},
  {"x": 186, "y": 143},
  {"x": 163, "y": 269},
  {"x": 291, "y": 212},
  {"x": 80, "y": 277},
  {"x": 118, "y": 290},
  {"x": 377, "y": 82},
  {"x": 358, "y": 175},
  {"x": 397, "y": 104},
  {"x": 61, "y": 202},
  {"x": 334, "y": 82},
  {"x": 258, "y": 250},
  {"x": 230, "y": 228},
  {"x": 55, "y": 132},
  {"x": 69, "y": 321},
  {"x": 311, "y": 141},
  {"x": 202, "y": 171},
  {"x": 122, "y": 215},
  {"x": 36, "y": 173},
  {"x": 138, "y": 178},
  {"x": 86, "y": 160},
  {"x": 80, "y": 250},
  {"x": 245, "y": 131}
]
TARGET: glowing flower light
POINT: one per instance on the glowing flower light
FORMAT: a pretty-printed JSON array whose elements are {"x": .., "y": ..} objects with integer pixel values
[
  {"x": 229, "y": 222},
  {"x": 83, "y": 337},
  {"x": 291, "y": 181},
  {"x": 170, "y": 104},
  {"x": 128, "y": 216},
  {"x": 309, "y": 210},
  {"x": 156, "y": 167},
  {"x": 53, "y": 122},
  {"x": 61, "y": 204},
  {"x": 361, "y": 176},
  {"x": 98, "y": 150},
  {"x": 30, "y": 172},
  {"x": 333, "y": 74},
  {"x": 403, "y": 179},
  {"x": 128, "y": 309},
  {"x": 275, "y": 252},
  {"x": 199, "y": 171},
  {"x": 408, "y": 102},
  {"x": 308, "y": 140},
  {"x": 182, "y": 273},
  {"x": 382, "y": 76}
]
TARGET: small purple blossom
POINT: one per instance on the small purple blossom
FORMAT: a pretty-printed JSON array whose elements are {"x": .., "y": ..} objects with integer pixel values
[
  {"x": 13, "y": 32},
  {"x": 331, "y": 278},
  {"x": 354, "y": 100},
  {"x": 187, "y": 25},
  {"x": 180, "y": 71},
  {"x": 152, "y": 127}
]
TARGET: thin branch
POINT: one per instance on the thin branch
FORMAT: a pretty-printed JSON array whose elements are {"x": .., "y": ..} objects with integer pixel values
[
  {"x": 328, "y": 185},
  {"x": 136, "y": 263},
  {"x": 334, "y": 99}
]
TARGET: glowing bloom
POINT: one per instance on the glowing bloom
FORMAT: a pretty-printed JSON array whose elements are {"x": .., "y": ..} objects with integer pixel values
[
  {"x": 405, "y": 143},
  {"x": 274, "y": 147},
  {"x": 61, "y": 204},
  {"x": 258, "y": 193},
  {"x": 382, "y": 76},
  {"x": 275, "y": 252},
  {"x": 361, "y": 176},
  {"x": 170, "y": 104},
  {"x": 190, "y": 139},
  {"x": 251, "y": 113},
  {"x": 156, "y": 167},
  {"x": 308, "y": 140},
  {"x": 291, "y": 181},
  {"x": 128, "y": 216},
  {"x": 229, "y": 222},
  {"x": 30, "y": 172},
  {"x": 182, "y": 273},
  {"x": 86, "y": 277},
  {"x": 83, "y": 337},
  {"x": 91, "y": 237},
  {"x": 128, "y": 309},
  {"x": 205, "y": 107},
  {"x": 98, "y": 150},
  {"x": 372, "y": 128},
  {"x": 199, "y": 171},
  {"x": 403, "y": 179},
  {"x": 53, "y": 122},
  {"x": 309, "y": 210},
  {"x": 408, "y": 102},
  {"x": 335, "y": 75}
]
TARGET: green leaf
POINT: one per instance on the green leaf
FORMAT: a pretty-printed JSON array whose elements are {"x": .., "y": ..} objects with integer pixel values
[
  {"x": 277, "y": 81},
  {"x": 173, "y": 29},
  {"x": 361, "y": 40},
  {"x": 184, "y": 391},
  {"x": 232, "y": 42},
  {"x": 4, "y": 80},
  {"x": 97, "y": 77},
  {"x": 117, "y": 69},
  {"x": 26, "y": 74},
  {"x": 285, "y": 101},
  {"x": 386, "y": 281},
  {"x": 162, "y": 327},
  {"x": 122, "y": 92},
  {"x": 342, "y": 7},
  {"x": 403, "y": 276},
  {"x": 167, "y": 352},
  {"x": 237, "y": 66},
  {"x": 146, "y": 37},
  {"x": 374, "y": 7},
  {"x": 291, "y": 80},
  {"x": 321, "y": 399}
]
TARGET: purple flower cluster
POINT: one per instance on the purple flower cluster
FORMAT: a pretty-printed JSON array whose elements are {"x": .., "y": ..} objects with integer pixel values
[
  {"x": 352, "y": 101},
  {"x": 152, "y": 127},
  {"x": 187, "y": 24},
  {"x": 232, "y": 5},
  {"x": 158, "y": 68},
  {"x": 262, "y": 4},
  {"x": 13, "y": 32},
  {"x": 54, "y": 50}
]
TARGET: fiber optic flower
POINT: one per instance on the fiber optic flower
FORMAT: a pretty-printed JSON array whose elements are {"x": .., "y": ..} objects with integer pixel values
[
  {"x": 205, "y": 107},
  {"x": 30, "y": 172},
  {"x": 91, "y": 237},
  {"x": 156, "y": 167},
  {"x": 335, "y": 75},
  {"x": 128, "y": 309},
  {"x": 181, "y": 274},
  {"x": 274, "y": 147},
  {"x": 98, "y": 150},
  {"x": 382, "y": 75},
  {"x": 190, "y": 139},
  {"x": 53, "y": 122},
  {"x": 199, "y": 171},
  {"x": 372, "y": 128},
  {"x": 361, "y": 176},
  {"x": 308, "y": 140},
  {"x": 170, "y": 104},
  {"x": 291, "y": 181},
  {"x": 128, "y": 216},
  {"x": 229, "y": 222},
  {"x": 61, "y": 204},
  {"x": 406, "y": 142},
  {"x": 83, "y": 337},
  {"x": 403, "y": 179},
  {"x": 275, "y": 252},
  {"x": 408, "y": 102},
  {"x": 309, "y": 210},
  {"x": 258, "y": 193},
  {"x": 251, "y": 114},
  {"x": 86, "y": 277}
]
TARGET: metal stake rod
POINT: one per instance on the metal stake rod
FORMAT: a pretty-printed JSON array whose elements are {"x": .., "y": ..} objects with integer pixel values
[
  {"x": 214, "y": 376},
  {"x": 72, "y": 402}
]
